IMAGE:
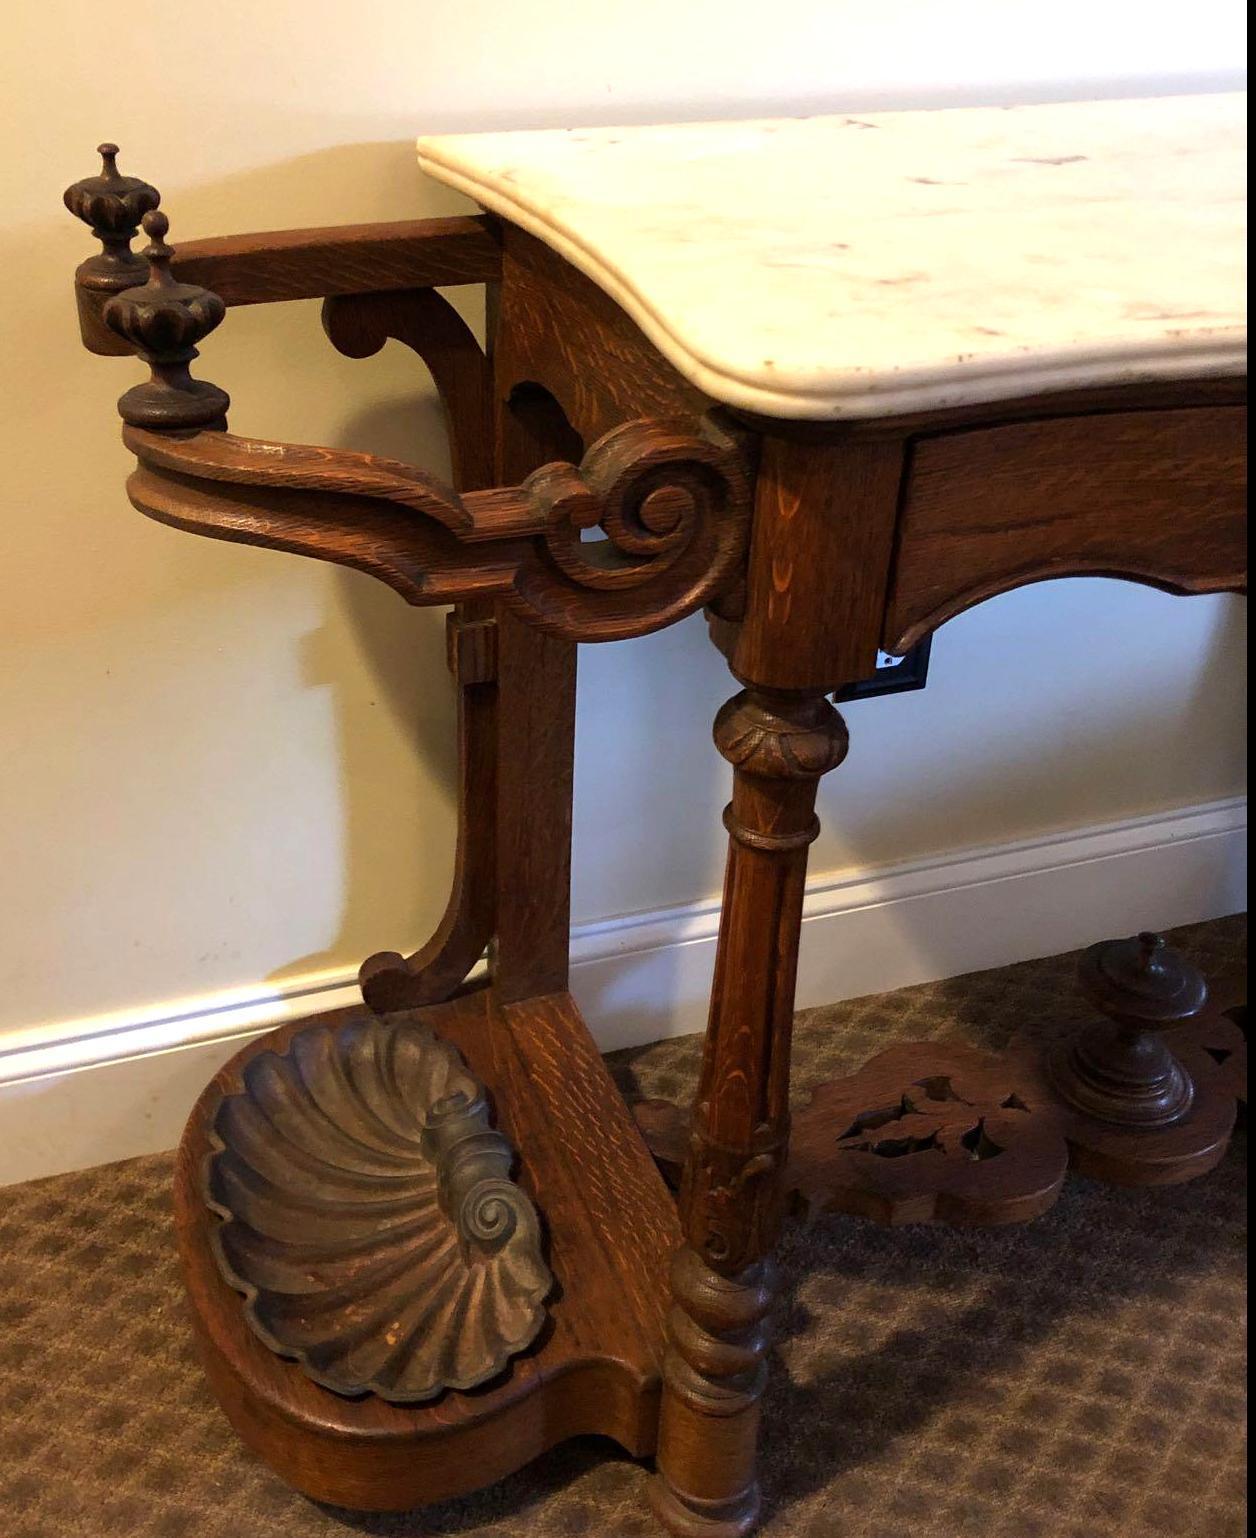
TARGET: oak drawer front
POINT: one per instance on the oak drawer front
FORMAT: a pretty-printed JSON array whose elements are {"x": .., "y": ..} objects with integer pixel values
[{"x": 1157, "y": 496}]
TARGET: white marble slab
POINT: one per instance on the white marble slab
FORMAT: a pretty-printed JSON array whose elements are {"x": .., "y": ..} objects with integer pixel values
[{"x": 840, "y": 266}]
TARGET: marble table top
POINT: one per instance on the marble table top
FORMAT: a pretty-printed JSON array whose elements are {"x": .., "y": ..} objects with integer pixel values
[{"x": 863, "y": 266}]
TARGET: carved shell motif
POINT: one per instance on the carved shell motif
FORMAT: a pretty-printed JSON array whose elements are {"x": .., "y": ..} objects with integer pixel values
[{"x": 369, "y": 1217}]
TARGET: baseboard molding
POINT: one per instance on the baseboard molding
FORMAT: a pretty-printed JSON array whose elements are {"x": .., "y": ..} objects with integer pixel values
[{"x": 82, "y": 1092}]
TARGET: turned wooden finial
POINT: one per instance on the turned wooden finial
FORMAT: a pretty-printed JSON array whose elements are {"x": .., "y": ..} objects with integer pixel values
[
  {"x": 163, "y": 320},
  {"x": 1120, "y": 1070},
  {"x": 113, "y": 206}
]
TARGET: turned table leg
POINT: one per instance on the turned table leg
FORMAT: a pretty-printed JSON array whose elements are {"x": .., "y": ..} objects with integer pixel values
[
  {"x": 731, "y": 1198},
  {"x": 820, "y": 544}
]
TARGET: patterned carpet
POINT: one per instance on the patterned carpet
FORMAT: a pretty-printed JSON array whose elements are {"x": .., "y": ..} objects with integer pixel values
[{"x": 1080, "y": 1377}]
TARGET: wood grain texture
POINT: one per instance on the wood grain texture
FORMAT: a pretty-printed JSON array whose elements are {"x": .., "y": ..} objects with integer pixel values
[
  {"x": 939, "y": 1132},
  {"x": 595, "y": 1368},
  {"x": 861, "y": 535},
  {"x": 732, "y": 1191},
  {"x": 932, "y": 1132},
  {"x": 389, "y": 980},
  {"x": 279, "y": 265},
  {"x": 536, "y": 736},
  {"x": 1158, "y": 496},
  {"x": 559, "y": 330},
  {"x": 671, "y": 498},
  {"x": 819, "y": 562},
  {"x": 358, "y": 325},
  {"x": 343, "y": 259}
]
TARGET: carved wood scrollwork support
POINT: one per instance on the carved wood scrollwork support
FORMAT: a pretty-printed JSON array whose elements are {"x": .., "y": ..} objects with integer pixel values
[
  {"x": 358, "y": 325},
  {"x": 671, "y": 499},
  {"x": 651, "y": 525},
  {"x": 733, "y": 1189}
]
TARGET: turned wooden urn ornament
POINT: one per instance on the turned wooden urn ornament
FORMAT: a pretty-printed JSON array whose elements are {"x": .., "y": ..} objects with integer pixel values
[
  {"x": 1121, "y": 1069},
  {"x": 163, "y": 320},
  {"x": 112, "y": 206}
]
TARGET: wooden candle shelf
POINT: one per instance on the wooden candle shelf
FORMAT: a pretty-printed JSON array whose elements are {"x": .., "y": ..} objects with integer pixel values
[{"x": 760, "y": 370}]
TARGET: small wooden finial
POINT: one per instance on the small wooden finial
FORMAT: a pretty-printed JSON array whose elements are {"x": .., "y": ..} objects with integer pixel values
[
  {"x": 112, "y": 205},
  {"x": 163, "y": 320},
  {"x": 1120, "y": 1070}
]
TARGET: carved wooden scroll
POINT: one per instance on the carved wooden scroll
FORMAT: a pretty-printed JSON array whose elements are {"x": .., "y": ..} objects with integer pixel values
[{"x": 669, "y": 499}]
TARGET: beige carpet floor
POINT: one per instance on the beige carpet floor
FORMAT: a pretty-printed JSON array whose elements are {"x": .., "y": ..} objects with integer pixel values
[{"x": 1079, "y": 1377}]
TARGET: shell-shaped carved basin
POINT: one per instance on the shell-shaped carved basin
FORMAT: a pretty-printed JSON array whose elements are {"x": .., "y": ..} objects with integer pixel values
[{"x": 369, "y": 1217}]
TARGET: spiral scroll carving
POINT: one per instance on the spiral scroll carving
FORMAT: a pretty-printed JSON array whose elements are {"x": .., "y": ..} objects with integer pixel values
[
  {"x": 369, "y": 1218},
  {"x": 671, "y": 501}
]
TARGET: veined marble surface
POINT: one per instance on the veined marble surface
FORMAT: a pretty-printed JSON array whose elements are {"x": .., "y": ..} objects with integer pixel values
[{"x": 862, "y": 266}]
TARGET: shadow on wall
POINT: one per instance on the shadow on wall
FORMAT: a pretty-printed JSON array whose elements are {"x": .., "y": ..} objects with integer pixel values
[
  {"x": 403, "y": 650},
  {"x": 387, "y": 836},
  {"x": 1052, "y": 706},
  {"x": 146, "y": 614}
]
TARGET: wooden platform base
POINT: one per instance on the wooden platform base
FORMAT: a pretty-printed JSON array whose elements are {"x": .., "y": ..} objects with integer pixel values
[
  {"x": 941, "y": 1132},
  {"x": 610, "y": 1229}
]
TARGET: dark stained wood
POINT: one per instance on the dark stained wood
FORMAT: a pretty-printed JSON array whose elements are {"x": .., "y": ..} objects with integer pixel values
[
  {"x": 1182, "y": 1150},
  {"x": 559, "y": 330},
  {"x": 1121, "y": 1070},
  {"x": 111, "y": 205},
  {"x": 520, "y": 543},
  {"x": 1158, "y": 496},
  {"x": 939, "y": 1132},
  {"x": 595, "y": 1368},
  {"x": 358, "y": 325},
  {"x": 536, "y": 680},
  {"x": 862, "y": 535},
  {"x": 312, "y": 264},
  {"x": 733, "y": 1187},
  {"x": 537, "y": 684},
  {"x": 438, "y": 968},
  {"x": 819, "y": 562},
  {"x": 344, "y": 259},
  {"x": 1146, "y": 1102},
  {"x": 163, "y": 321},
  {"x": 932, "y": 1131}
]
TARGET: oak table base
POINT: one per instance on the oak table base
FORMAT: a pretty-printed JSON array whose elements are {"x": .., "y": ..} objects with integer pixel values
[
  {"x": 596, "y": 1366},
  {"x": 812, "y": 545}
]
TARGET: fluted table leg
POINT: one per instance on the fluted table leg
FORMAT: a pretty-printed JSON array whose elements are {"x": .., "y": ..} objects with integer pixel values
[{"x": 714, "y": 1372}]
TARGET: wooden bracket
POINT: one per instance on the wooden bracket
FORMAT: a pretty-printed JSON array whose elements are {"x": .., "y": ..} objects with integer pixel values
[{"x": 273, "y": 266}]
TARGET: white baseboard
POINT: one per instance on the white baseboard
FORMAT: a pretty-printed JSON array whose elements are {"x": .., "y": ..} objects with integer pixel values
[{"x": 82, "y": 1092}]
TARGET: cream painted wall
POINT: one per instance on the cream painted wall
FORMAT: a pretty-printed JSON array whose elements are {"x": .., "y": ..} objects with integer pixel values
[{"x": 220, "y": 766}]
